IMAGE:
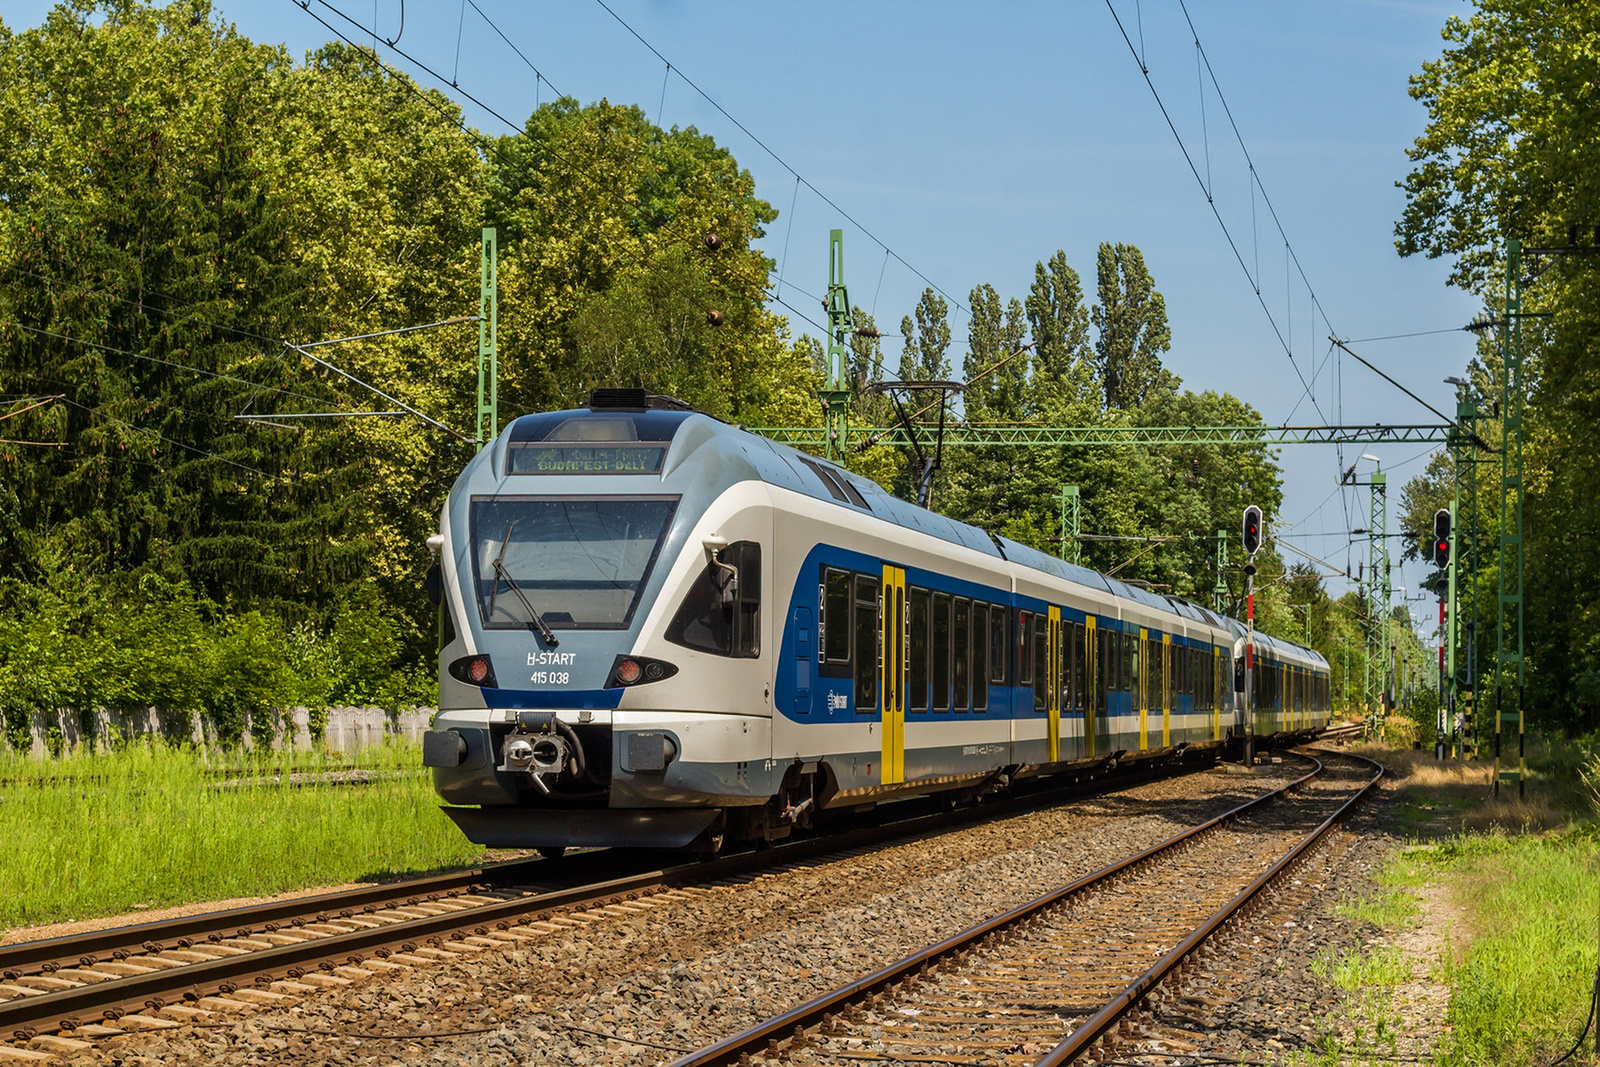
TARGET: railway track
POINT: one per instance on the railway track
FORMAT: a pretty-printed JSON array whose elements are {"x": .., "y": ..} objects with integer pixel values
[
  {"x": 57, "y": 993},
  {"x": 1052, "y": 979}
]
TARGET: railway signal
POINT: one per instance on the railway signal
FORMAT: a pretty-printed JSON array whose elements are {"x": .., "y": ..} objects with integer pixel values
[
  {"x": 1441, "y": 538},
  {"x": 1252, "y": 529}
]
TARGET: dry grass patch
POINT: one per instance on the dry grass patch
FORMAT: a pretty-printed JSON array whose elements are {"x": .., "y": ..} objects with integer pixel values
[{"x": 1461, "y": 793}]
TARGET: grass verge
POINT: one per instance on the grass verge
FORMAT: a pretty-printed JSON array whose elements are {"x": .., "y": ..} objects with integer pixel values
[
  {"x": 143, "y": 826},
  {"x": 1520, "y": 986}
]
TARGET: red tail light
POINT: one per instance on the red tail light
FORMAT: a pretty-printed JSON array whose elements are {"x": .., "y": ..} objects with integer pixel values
[{"x": 474, "y": 670}]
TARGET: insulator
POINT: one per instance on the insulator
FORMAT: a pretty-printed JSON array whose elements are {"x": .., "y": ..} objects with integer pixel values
[
  {"x": 713, "y": 242},
  {"x": 715, "y": 317}
]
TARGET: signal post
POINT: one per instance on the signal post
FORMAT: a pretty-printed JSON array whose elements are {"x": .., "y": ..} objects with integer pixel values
[
  {"x": 1444, "y": 739},
  {"x": 1251, "y": 536}
]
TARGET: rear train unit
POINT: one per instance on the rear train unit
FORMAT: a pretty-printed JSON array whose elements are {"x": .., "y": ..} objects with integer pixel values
[{"x": 657, "y": 629}]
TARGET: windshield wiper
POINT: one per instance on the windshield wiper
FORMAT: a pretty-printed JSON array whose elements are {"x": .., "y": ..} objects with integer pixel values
[{"x": 538, "y": 624}]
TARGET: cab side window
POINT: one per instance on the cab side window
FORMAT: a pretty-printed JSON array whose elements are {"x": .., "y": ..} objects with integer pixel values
[{"x": 722, "y": 612}]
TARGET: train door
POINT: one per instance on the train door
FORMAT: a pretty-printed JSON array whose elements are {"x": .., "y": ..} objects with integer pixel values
[
  {"x": 1217, "y": 674},
  {"x": 893, "y": 651},
  {"x": 1091, "y": 691},
  {"x": 1141, "y": 679},
  {"x": 1053, "y": 674},
  {"x": 1166, "y": 690}
]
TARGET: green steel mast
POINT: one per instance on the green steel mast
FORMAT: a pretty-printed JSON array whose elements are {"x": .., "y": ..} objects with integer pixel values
[
  {"x": 835, "y": 392},
  {"x": 1508, "y": 680}
]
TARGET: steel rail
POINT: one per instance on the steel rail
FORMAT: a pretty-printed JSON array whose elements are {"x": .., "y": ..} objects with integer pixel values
[
  {"x": 1095, "y": 1027},
  {"x": 71, "y": 946},
  {"x": 52, "y": 1010},
  {"x": 757, "y": 1038}
]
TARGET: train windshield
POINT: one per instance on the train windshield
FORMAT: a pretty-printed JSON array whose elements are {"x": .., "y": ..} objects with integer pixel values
[{"x": 581, "y": 563}]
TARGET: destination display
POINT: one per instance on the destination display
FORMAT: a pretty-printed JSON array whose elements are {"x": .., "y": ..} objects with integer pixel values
[{"x": 540, "y": 458}]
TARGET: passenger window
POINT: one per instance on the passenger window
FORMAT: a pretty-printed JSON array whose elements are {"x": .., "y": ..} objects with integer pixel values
[
  {"x": 722, "y": 612},
  {"x": 919, "y": 650},
  {"x": 997, "y": 643},
  {"x": 941, "y": 651},
  {"x": 1130, "y": 663},
  {"x": 835, "y": 621},
  {"x": 962, "y": 653},
  {"x": 1064, "y": 682},
  {"x": 1041, "y": 664},
  {"x": 1024, "y": 648},
  {"x": 1102, "y": 674},
  {"x": 980, "y": 657},
  {"x": 866, "y": 644},
  {"x": 1080, "y": 661}
]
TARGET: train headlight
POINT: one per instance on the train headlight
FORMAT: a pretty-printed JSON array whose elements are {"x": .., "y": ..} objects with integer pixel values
[{"x": 638, "y": 670}]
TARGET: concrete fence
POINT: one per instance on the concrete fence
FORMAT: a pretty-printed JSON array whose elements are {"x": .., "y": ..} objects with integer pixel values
[{"x": 347, "y": 729}]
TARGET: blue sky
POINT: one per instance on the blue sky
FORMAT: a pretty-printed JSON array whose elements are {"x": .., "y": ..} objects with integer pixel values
[{"x": 976, "y": 139}]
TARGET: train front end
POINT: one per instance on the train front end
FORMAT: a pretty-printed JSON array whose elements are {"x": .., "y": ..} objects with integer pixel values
[{"x": 600, "y": 678}]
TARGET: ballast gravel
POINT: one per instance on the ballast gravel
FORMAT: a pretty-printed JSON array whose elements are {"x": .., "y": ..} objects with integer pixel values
[{"x": 685, "y": 972}]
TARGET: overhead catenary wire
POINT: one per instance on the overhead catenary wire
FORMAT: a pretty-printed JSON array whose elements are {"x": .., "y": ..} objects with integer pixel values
[
  {"x": 488, "y": 145},
  {"x": 153, "y": 433},
  {"x": 1254, "y": 278},
  {"x": 165, "y": 362},
  {"x": 779, "y": 159}
]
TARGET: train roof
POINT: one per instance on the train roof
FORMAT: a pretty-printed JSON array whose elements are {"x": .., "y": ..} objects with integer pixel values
[{"x": 664, "y": 419}]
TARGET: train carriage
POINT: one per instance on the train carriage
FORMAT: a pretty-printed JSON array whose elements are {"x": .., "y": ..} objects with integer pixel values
[{"x": 658, "y": 629}]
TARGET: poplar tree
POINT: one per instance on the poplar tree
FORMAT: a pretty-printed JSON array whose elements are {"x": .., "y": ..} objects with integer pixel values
[{"x": 1131, "y": 322}]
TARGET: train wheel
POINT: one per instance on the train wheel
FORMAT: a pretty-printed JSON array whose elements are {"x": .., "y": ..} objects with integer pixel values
[{"x": 552, "y": 852}]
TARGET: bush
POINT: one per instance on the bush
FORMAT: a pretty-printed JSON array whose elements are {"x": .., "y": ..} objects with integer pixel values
[{"x": 130, "y": 642}]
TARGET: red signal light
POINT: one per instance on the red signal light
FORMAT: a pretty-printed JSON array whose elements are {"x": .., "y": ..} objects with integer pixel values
[
  {"x": 629, "y": 672},
  {"x": 477, "y": 670}
]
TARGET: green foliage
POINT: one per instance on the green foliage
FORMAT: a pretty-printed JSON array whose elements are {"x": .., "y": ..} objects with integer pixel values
[
  {"x": 1390, "y": 909},
  {"x": 1354, "y": 969},
  {"x": 77, "y": 643},
  {"x": 1509, "y": 151},
  {"x": 1131, "y": 318},
  {"x": 1132, "y": 492}
]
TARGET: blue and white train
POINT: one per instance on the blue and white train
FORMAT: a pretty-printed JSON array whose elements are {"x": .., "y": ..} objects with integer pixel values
[{"x": 658, "y": 629}]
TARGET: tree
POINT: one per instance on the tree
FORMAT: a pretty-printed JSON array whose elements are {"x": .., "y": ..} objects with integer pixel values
[
  {"x": 1509, "y": 151},
  {"x": 607, "y": 264},
  {"x": 927, "y": 340},
  {"x": 148, "y": 249},
  {"x": 1060, "y": 327},
  {"x": 1131, "y": 320}
]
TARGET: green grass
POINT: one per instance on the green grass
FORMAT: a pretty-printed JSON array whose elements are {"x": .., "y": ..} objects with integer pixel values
[
  {"x": 1389, "y": 909},
  {"x": 150, "y": 826},
  {"x": 1520, "y": 989},
  {"x": 1354, "y": 969}
]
